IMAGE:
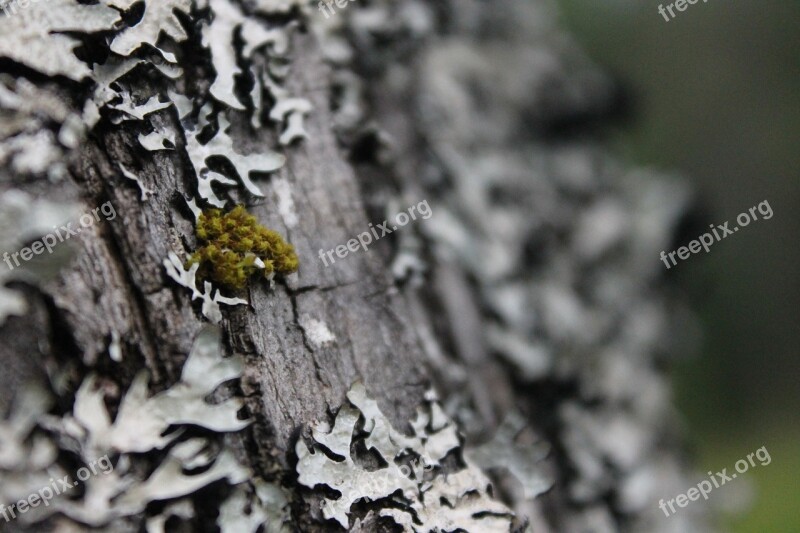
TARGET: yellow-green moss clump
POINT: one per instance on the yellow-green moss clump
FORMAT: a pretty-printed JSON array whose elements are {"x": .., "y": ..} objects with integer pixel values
[{"x": 232, "y": 242}]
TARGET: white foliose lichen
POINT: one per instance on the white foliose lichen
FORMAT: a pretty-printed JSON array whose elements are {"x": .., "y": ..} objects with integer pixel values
[
  {"x": 222, "y": 146},
  {"x": 157, "y": 140},
  {"x": 26, "y": 459},
  {"x": 181, "y": 509},
  {"x": 24, "y": 218},
  {"x": 39, "y": 35},
  {"x": 142, "y": 421},
  {"x": 272, "y": 7},
  {"x": 130, "y": 110},
  {"x": 218, "y": 36},
  {"x": 107, "y": 88},
  {"x": 188, "y": 278},
  {"x": 523, "y": 460},
  {"x": 144, "y": 190},
  {"x": 420, "y": 493},
  {"x": 266, "y": 505},
  {"x": 158, "y": 17},
  {"x": 128, "y": 481},
  {"x": 37, "y": 129},
  {"x": 288, "y": 110},
  {"x": 456, "y": 502}
]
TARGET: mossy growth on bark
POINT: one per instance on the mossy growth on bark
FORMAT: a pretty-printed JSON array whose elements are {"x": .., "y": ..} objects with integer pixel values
[{"x": 234, "y": 247}]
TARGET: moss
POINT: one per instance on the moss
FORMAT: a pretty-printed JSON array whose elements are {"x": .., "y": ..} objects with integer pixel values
[{"x": 231, "y": 244}]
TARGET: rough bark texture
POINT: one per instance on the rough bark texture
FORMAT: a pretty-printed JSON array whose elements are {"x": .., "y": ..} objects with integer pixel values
[{"x": 533, "y": 287}]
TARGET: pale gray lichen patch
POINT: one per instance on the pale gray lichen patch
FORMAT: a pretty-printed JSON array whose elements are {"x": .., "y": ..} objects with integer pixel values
[
  {"x": 272, "y": 7},
  {"x": 38, "y": 35},
  {"x": 523, "y": 460},
  {"x": 159, "y": 17},
  {"x": 286, "y": 205},
  {"x": 218, "y": 36},
  {"x": 37, "y": 129},
  {"x": 23, "y": 101},
  {"x": 206, "y": 190},
  {"x": 456, "y": 502},
  {"x": 157, "y": 140},
  {"x": 347, "y": 477},
  {"x": 188, "y": 278},
  {"x": 27, "y": 458},
  {"x": 316, "y": 332},
  {"x": 418, "y": 493},
  {"x": 181, "y": 509},
  {"x": 144, "y": 191},
  {"x": 22, "y": 218},
  {"x": 223, "y": 146},
  {"x": 199, "y": 153},
  {"x": 169, "y": 480},
  {"x": 18, "y": 451},
  {"x": 130, "y": 110},
  {"x": 143, "y": 423},
  {"x": 33, "y": 154},
  {"x": 247, "y": 511},
  {"x": 288, "y": 110},
  {"x": 106, "y": 77}
]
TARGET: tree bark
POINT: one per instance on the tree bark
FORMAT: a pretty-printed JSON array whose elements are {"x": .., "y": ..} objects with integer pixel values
[{"x": 533, "y": 288}]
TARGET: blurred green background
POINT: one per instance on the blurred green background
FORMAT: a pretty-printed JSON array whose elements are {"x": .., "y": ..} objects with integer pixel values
[{"x": 716, "y": 95}]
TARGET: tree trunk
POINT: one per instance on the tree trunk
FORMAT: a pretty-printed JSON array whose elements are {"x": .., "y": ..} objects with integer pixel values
[{"x": 533, "y": 288}]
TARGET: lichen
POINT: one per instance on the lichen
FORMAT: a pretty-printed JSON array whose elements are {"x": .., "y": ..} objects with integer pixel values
[
  {"x": 570, "y": 293},
  {"x": 31, "y": 443},
  {"x": 228, "y": 22},
  {"x": 145, "y": 192},
  {"x": 37, "y": 129},
  {"x": 187, "y": 277},
  {"x": 142, "y": 420},
  {"x": 222, "y": 145},
  {"x": 42, "y": 35},
  {"x": 236, "y": 247},
  {"x": 157, "y": 141},
  {"x": 521, "y": 460},
  {"x": 27, "y": 457},
  {"x": 159, "y": 17},
  {"x": 41, "y": 127},
  {"x": 267, "y": 506},
  {"x": 130, "y": 110},
  {"x": 24, "y": 218},
  {"x": 415, "y": 488}
]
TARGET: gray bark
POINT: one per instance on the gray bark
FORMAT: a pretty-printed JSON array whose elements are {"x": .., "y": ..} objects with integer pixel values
[{"x": 468, "y": 106}]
